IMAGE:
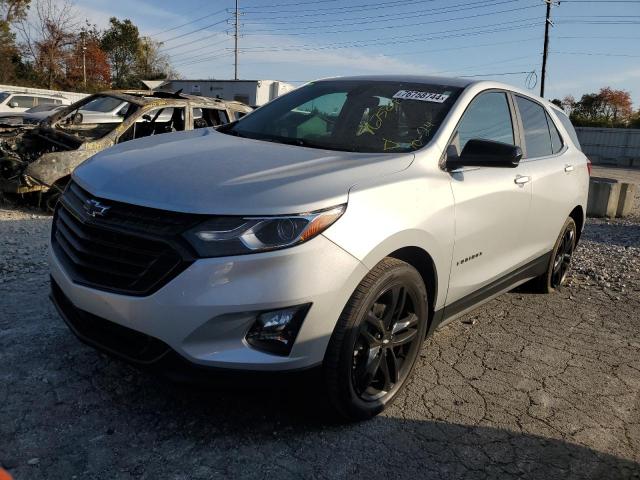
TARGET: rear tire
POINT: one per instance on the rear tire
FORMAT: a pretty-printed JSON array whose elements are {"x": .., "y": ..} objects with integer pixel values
[
  {"x": 559, "y": 262},
  {"x": 377, "y": 339}
]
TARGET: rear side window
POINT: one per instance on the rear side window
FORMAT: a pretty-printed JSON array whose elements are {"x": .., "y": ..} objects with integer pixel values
[
  {"x": 536, "y": 130},
  {"x": 566, "y": 123},
  {"x": 45, "y": 101},
  {"x": 487, "y": 118},
  {"x": 556, "y": 139}
]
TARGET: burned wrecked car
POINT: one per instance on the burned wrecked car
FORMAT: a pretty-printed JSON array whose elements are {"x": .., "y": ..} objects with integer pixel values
[{"x": 40, "y": 158}]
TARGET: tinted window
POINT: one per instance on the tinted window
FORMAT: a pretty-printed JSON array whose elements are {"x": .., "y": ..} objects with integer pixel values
[
  {"x": 358, "y": 116},
  {"x": 556, "y": 140},
  {"x": 487, "y": 118},
  {"x": 566, "y": 123},
  {"x": 3, "y": 95},
  {"x": 45, "y": 101},
  {"x": 536, "y": 129},
  {"x": 22, "y": 101}
]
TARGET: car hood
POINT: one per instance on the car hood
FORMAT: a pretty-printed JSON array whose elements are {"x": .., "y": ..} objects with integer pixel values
[{"x": 204, "y": 171}]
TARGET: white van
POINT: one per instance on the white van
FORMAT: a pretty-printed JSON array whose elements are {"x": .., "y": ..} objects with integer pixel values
[{"x": 15, "y": 102}]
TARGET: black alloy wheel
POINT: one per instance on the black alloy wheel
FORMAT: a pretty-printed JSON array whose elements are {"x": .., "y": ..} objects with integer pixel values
[
  {"x": 562, "y": 259},
  {"x": 376, "y": 341},
  {"x": 559, "y": 262},
  {"x": 387, "y": 338}
]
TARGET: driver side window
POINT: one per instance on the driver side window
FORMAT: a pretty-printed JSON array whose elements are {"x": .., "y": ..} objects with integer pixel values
[{"x": 487, "y": 118}]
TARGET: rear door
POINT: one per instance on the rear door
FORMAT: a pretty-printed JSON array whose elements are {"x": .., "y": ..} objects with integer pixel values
[
  {"x": 491, "y": 204},
  {"x": 554, "y": 185}
]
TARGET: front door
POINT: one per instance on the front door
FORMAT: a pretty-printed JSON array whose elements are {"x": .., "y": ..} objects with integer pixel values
[{"x": 491, "y": 204}]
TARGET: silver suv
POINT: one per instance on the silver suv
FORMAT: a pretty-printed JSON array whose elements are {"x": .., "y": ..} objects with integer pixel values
[{"x": 334, "y": 227}]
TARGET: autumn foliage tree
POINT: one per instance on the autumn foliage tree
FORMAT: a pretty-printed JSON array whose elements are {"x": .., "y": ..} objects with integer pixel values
[
  {"x": 607, "y": 108},
  {"x": 87, "y": 57}
]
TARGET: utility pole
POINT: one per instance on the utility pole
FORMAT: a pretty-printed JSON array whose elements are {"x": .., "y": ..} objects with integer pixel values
[
  {"x": 84, "y": 62},
  {"x": 235, "y": 64},
  {"x": 545, "y": 53}
]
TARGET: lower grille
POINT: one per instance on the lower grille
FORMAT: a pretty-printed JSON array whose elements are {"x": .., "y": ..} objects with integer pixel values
[
  {"x": 101, "y": 333},
  {"x": 116, "y": 254}
]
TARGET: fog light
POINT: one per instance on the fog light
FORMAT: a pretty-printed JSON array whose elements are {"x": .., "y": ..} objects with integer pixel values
[{"x": 276, "y": 330}]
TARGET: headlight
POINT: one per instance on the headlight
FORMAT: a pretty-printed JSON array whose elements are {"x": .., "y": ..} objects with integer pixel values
[{"x": 224, "y": 236}]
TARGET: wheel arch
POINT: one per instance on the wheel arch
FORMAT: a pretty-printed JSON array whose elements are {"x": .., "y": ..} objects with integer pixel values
[
  {"x": 578, "y": 216},
  {"x": 420, "y": 259}
]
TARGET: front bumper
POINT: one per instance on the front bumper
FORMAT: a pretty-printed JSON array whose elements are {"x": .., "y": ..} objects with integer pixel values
[{"x": 205, "y": 312}]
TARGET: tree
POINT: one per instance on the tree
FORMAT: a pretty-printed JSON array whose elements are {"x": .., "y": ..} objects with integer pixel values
[
  {"x": 120, "y": 42},
  {"x": 616, "y": 105},
  {"x": 568, "y": 104},
  {"x": 47, "y": 38},
  {"x": 86, "y": 56},
  {"x": 11, "y": 11},
  {"x": 608, "y": 107},
  {"x": 151, "y": 63}
]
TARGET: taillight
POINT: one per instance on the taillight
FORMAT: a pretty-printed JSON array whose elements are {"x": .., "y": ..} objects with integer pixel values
[{"x": 589, "y": 166}]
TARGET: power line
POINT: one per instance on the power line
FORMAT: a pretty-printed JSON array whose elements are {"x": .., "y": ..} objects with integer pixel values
[
  {"x": 188, "y": 23},
  {"x": 433, "y": 11},
  {"x": 386, "y": 26},
  {"x": 599, "y": 54},
  {"x": 195, "y": 41},
  {"x": 334, "y": 10},
  {"x": 194, "y": 31},
  {"x": 212, "y": 57},
  {"x": 293, "y": 4},
  {"x": 398, "y": 39}
]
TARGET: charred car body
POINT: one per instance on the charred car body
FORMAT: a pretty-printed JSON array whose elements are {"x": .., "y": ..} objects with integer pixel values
[{"x": 40, "y": 158}]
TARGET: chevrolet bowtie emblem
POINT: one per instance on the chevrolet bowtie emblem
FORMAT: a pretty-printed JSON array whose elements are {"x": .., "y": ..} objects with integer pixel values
[{"x": 95, "y": 208}]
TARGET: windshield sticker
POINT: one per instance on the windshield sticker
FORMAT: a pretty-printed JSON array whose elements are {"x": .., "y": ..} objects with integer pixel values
[{"x": 421, "y": 96}]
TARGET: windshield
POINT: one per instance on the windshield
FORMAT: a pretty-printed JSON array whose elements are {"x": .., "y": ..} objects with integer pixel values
[
  {"x": 102, "y": 104},
  {"x": 357, "y": 116},
  {"x": 3, "y": 96},
  {"x": 89, "y": 123}
]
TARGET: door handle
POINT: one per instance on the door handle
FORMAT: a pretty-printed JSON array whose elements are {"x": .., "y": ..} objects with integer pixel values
[
  {"x": 522, "y": 179},
  {"x": 568, "y": 167}
]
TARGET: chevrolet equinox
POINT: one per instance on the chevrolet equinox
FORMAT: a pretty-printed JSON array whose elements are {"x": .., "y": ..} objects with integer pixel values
[{"x": 335, "y": 227}]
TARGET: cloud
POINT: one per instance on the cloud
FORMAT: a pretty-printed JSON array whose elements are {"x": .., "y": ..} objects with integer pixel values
[{"x": 342, "y": 61}]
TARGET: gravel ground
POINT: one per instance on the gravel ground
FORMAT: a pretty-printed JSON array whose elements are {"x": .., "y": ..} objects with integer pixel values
[{"x": 528, "y": 386}]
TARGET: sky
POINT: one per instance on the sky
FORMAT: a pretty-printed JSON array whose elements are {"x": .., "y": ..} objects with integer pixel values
[{"x": 593, "y": 43}]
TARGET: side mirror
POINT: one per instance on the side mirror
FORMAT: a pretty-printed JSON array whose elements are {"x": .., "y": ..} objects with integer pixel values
[
  {"x": 14, "y": 104},
  {"x": 486, "y": 153},
  {"x": 146, "y": 117}
]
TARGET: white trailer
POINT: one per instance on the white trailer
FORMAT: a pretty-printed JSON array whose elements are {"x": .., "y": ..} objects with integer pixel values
[{"x": 250, "y": 92}]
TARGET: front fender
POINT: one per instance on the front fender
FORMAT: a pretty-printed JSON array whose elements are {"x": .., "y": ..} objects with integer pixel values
[{"x": 415, "y": 212}]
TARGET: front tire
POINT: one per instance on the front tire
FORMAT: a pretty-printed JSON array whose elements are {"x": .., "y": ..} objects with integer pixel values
[{"x": 377, "y": 340}]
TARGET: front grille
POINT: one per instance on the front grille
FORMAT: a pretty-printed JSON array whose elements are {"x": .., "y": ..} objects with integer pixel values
[
  {"x": 130, "y": 250},
  {"x": 101, "y": 333}
]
